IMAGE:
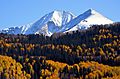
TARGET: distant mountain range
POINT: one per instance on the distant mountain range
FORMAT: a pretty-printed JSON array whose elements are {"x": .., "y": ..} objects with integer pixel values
[{"x": 58, "y": 21}]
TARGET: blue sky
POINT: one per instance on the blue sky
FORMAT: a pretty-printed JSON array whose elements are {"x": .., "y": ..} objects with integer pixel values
[{"x": 20, "y": 12}]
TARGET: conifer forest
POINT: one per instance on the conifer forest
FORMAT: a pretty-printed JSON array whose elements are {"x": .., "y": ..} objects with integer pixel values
[{"x": 93, "y": 53}]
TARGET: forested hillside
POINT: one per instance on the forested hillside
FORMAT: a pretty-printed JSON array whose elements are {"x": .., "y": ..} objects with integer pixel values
[{"x": 83, "y": 54}]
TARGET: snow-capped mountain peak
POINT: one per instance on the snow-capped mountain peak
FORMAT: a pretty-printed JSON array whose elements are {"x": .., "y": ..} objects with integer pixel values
[
  {"x": 52, "y": 22},
  {"x": 96, "y": 18},
  {"x": 85, "y": 20},
  {"x": 60, "y": 21}
]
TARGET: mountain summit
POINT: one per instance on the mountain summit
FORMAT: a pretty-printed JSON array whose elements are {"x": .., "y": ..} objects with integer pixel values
[
  {"x": 60, "y": 21},
  {"x": 85, "y": 20}
]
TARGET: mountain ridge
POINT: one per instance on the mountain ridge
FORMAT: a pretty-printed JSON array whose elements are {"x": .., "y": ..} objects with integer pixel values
[{"x": 60, "y": 21}]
